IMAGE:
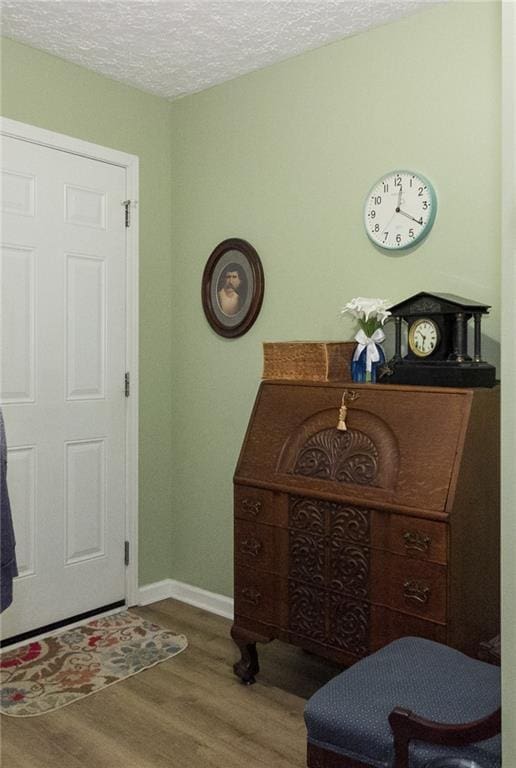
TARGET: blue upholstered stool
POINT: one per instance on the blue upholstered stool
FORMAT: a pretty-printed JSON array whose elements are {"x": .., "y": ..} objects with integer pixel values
[{"x": 347, "y": 719}]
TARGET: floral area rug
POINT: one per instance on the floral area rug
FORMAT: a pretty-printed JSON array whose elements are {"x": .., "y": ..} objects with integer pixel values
[{"x": 47, "y": 674}]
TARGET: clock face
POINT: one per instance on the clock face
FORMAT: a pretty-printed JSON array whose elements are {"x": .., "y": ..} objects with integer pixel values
[
  {"x": 399, "y": 210},
  {"x": 423, "y": 337}
]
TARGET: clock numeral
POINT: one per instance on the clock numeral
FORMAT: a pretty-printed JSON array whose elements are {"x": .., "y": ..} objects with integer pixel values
[
  {"x": 385, "y": 237},
  {"x": 425, "y": 205},
  {"x": 421, "y": 191},
  {"x": 398, "y": 239},
  {"x": 376, "y": 228},
  {"x": 377, "y": 200},
  {"x": 397, "y": 181},
  {"x": 411, "y": 232},
  {"x": 385, "y": 187},
  {"x": 373, "y": 214}
]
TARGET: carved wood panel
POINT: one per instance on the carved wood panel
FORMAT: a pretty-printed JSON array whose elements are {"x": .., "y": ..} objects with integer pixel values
[
  {"x": 307, "y": 557},
  {"x": 321, "y": 517},
  {"x": 308, "y": 515},
  {"x": 348, "y": 568},
  {"x": 307, "y": 611},
  {"x": 329, "y": 573},
  {"x": 350, "y": 523},
  {"x": 346, "y": 457},
  {"x": 348, "y": 626}
]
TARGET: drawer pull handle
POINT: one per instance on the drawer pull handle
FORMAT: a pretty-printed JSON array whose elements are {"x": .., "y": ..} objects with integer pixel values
[
  {"x": 416, "y": 590},
  {"x": 414, "y": 540},
  {"x": 251, "y": 547},
  {"x": 251, "y": 595},
  {"x": 252, "y": 507}
]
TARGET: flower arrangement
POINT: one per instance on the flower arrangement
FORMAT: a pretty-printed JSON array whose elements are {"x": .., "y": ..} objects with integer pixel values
[{"x": 371, "y": 315}]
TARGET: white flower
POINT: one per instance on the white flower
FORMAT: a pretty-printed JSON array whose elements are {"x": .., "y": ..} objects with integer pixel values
[{"x": 363, "y": 309}]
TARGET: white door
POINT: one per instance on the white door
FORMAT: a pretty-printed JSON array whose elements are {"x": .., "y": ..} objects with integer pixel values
[{"x": 62, "y": 366}]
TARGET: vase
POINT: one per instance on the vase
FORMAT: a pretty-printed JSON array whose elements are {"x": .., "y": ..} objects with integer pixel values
[{"x": 359, "y": 372}]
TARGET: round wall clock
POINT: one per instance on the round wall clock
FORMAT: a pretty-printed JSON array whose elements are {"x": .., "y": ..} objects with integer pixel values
[{"x": 399, "y": 210}]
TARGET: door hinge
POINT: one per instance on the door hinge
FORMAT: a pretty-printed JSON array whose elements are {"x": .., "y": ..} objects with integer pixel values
[
  {"x": 126, "y": 553},
  {"x": 127, "y": 384},
  {"x": 127, "y": 207}
]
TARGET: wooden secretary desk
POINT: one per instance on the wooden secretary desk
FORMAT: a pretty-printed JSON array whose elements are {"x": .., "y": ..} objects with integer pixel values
[{"x": 346, "y": 540}]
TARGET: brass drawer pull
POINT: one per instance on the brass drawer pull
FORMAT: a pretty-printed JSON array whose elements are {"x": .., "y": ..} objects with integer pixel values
[
  {"x": 414, "y": 540},
  {"x": 252, "y": 507},
  {"x": 416, "y": 590},
  {"x": 251, "y": 547},
  {"x": 251, "y": 595}
]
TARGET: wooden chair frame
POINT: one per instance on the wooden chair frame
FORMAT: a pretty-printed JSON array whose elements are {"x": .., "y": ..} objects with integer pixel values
[{"x": 407, "y": 726}]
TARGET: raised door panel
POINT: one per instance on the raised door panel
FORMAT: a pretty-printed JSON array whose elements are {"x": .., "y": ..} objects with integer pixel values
[{"x": 18, "y": 302}]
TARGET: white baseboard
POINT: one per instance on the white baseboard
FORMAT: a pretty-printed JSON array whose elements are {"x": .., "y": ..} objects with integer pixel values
[{"x": 186, "y": 593}]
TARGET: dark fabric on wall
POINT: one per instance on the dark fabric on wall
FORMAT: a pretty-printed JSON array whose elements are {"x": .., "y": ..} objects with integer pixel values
[{"x": 8, "y": 567}]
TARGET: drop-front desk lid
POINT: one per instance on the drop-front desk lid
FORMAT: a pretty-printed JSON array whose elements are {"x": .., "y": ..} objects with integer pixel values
[{"x": 404, "y": 446}]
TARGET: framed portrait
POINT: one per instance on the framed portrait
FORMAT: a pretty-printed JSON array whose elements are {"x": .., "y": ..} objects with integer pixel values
[{"x": 232, "y": 287}]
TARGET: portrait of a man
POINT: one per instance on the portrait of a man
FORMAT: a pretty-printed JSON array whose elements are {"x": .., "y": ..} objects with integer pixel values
[{"x": 231, "y": 289}]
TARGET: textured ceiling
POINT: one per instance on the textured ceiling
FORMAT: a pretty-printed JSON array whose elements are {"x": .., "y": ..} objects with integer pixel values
[{"x": 175, "y": 47}]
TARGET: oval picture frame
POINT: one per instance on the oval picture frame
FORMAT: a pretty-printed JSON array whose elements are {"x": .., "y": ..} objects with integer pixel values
[{"x": 232, "y": 287}]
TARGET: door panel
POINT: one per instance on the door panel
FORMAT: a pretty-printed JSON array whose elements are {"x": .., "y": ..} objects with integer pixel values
[{"x": 62, "y": 340}]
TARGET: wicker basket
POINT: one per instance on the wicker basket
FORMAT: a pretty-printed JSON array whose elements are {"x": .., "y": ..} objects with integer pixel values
[{"x": 308, "y": 360}]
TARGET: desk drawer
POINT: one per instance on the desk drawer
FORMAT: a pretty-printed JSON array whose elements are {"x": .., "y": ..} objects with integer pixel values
[
  {"x": 260, "y": 505},
  {"x": 412, "y": 536},
  {"x": 259, "y": 595},
  {"x": 261, "y": 546},
  {"x": 409, "y": 585}
]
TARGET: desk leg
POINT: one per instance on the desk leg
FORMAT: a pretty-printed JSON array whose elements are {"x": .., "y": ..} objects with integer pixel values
[{"x": 248, "y": 666}]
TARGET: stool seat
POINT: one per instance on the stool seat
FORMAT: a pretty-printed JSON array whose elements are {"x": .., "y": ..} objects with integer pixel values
[{"x": 348, "y": 716}]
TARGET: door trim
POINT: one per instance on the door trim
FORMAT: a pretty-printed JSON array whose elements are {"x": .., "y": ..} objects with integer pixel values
[
  {"x": 61, "y": 142},
  {"x": 508, "y": 371}
]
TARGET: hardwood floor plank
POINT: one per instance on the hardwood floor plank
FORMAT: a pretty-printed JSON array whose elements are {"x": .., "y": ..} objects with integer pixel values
[{"x": 187, "y": 712}]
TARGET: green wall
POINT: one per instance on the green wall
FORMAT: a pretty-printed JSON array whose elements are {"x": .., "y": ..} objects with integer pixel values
[
  {"x": 50, "y": 93},
  {"x": 284, "y": 157}
]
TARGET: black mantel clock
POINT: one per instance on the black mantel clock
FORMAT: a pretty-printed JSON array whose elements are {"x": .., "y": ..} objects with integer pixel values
[{"x": 437, "y": 343}]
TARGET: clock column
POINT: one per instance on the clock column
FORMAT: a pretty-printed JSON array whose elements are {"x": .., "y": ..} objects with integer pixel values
[
  {"x": 461, "y": 338},
  {"x": 477, "y": 354},
  {"x": 397, "y": 343}
]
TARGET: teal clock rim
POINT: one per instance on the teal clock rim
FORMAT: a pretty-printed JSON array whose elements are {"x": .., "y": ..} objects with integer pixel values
[{"x": 430, "y": 221}]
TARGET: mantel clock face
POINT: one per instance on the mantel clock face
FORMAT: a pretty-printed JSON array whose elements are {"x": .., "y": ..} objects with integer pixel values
[
  {"x": 423, "y": 337},
  {"x": 399, "y": 210}
]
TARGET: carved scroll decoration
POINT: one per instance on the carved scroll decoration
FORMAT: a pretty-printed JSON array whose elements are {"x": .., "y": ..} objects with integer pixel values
[
  {"x": 251, "y": 507},
  {"x": 307, "y": 515},
  {"x": 306, "y": 611},
  {"x": 349, "y": 624},
  {"x": 347, "y": 457},
  {"x": 350, "y": 523},
  {"x": 307, "y": 557},
  {"x": 349, "y": 569},
  {"x": 424, "y": 305}
]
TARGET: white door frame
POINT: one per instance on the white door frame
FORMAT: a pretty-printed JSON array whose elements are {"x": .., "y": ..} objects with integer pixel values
[
  {"x": 59, "y": 141},
  {"x": 508, "y": 369}
]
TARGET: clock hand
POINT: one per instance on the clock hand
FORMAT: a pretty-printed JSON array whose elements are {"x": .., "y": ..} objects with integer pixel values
[
  {"x": 418, "y": 221},
  {"x": 399, "y": 198}
]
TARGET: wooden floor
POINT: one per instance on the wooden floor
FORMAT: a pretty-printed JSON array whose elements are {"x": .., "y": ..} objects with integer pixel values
[{"x": 187, "y": 712}]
